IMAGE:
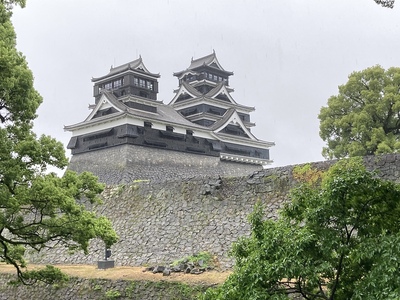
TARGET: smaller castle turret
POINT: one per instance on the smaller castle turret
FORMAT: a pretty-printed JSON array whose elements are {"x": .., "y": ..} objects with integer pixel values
[
  {"x": 129, "y": 79},
  {"x": 204, "y": 98}
]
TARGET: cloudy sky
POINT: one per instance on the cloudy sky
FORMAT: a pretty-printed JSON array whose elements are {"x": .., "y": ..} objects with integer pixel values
[{"x": 288, "y": 56}]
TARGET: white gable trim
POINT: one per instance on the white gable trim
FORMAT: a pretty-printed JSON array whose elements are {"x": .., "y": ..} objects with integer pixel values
[
  {"x": 141, "y": 66},
  {"x": 235, "y": 120},
  {"x": 215, "y": 60},
  {"x": 187, "y": 72},
  {"x": 225, "y": 92},
  {"x": 182, "y": 90},
  {"x": 104, "y": 102}
]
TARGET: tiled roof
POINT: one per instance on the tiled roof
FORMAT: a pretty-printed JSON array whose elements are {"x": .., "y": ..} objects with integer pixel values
[
  {"x": 204, "y": 61},
  {"x": 214, "y": 90},
  {"x": 114, "y": 100},
  {"x": 223, "y": 120},
  {"x": 191, "y": 89},
  {"x": 133, "y": 65},
  {"x": 213, "y": 101},
  {"x": 164, "y": 113}
]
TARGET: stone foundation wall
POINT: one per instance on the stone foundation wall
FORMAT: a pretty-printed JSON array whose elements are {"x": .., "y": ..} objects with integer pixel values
[
  {"x": 159, "y": 222},
  {"x": 89, "y": 289},
  {"x": 126, "y": 163}
]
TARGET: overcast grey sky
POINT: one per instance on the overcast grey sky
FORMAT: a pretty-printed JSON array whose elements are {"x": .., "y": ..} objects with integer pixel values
[{"x": 288, "y": 56}]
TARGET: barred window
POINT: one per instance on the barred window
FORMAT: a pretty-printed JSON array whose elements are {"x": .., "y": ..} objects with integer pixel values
[{"x": 108, "y": 86}]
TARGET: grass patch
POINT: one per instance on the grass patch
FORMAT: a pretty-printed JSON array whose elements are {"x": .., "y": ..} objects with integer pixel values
[
  {"x": 113, "y": 294},
  {"x": 204, "y": 258}
]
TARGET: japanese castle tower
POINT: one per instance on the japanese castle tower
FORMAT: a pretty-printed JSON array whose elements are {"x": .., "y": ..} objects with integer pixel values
[{"x": 129, "y": 135}]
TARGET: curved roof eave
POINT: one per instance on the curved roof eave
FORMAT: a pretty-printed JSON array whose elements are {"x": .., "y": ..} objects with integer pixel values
[
  {"x": 207, "y": 60},
  {"x": 217, "y": 102},
  {"x": 211, "y": 83},
  {"x": 243, "y": 141},
  {"x": 185, "y": 72},
  {"x": 220, "y": 89},
  {"x": 131, "y": 115},
  {"x": 231, "y": 116},
  {"x": 133, "y": 66},
  {"x": 185, "y": 87},
  {"x": 95, "y": 121},
  {"x": 106, "y": 97}
]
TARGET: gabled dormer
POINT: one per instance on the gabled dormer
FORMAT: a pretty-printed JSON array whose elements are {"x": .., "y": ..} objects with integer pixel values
[
  {"x": 185, "y": 92},
  {"x": 221, "y": 92},
  {"x": 130, "y": 79},
  {"x": 232, "y": 124},
  {"x": 107, "y": 105}
]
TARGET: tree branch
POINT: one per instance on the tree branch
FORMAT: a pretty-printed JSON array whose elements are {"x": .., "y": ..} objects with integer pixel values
[
  {"x": 338, "y": 273},
  {"x": 11, "y": 261}
]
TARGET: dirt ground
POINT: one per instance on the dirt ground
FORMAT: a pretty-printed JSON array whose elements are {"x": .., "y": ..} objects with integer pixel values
[{"x": 131, "y": 273}]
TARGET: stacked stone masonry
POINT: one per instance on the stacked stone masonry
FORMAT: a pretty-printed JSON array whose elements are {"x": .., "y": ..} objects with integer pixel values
[
  {"x": 89, "y": 289},
  {"x": 160, "y": 222},
  {"x": 127, "y": 163},
  {"x": 164, "y": 221}
]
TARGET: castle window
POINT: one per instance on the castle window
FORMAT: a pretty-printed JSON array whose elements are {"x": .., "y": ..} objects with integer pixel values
[
  {"x": 149, "y": 85},
  {"x": 135, "y": 81},
  {"x": 118, "y": 83},
  {"x": 189, "y": 132},
  {"x": 148, "y": 124},
  {"x": 210, "y": 76},
  {"x": 170, "y": 128},
  {"x": 108, "y": 86},
  {"x": 142, "y": 83}
]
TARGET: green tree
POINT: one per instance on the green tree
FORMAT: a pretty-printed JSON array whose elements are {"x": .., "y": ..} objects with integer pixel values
[
  {"x": 336, "y": 240},
  {"x": 37, "y": 208},
  {"x": 364, "y": 118},
  {"x": 386, "y": 3}
]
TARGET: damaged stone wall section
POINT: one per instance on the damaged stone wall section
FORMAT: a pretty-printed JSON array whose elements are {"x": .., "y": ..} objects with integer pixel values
[
  {"x": 211, "y": 186},
  {"x": 159, "y": 222}
]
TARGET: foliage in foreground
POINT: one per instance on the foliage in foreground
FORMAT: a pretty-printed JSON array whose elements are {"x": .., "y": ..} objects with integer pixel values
[
  {"x": 386, "y": 3},
  {"x": 204, "y": 257},
  {"x": 37, "y": 208},
  {"x": 363, "y": 119},
  {"x": 337, "y": 240}
]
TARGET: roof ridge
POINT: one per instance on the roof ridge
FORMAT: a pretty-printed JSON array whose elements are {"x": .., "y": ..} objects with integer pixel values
[
  {"x": 224, "y": 118},
  {"x": 204, "y": 57},
  {"x": 191, "y": 89},
  {"x": 214, "y": 90},
  {"x": 128, "y": 64}
]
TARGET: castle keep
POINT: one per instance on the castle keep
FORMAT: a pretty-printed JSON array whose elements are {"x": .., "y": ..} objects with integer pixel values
[{"x": 202, "y": 128}]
